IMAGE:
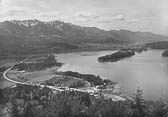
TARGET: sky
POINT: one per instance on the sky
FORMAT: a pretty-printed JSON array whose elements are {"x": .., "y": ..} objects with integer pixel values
[{"x": 135, "y": 15}]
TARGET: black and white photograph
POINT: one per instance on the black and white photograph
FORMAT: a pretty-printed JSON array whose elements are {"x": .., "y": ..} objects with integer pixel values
[{"x": 83, "y": 58}]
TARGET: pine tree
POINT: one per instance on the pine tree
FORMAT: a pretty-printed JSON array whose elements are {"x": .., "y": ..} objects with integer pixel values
[
  {"x": 1, "y": 96},
  {"x": 139, "y": 105}
]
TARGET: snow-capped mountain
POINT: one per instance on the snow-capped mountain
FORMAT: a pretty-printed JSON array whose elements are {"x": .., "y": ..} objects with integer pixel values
[
  {"x": 17, "y": 35},
  {"x": 26, "y": 23}
]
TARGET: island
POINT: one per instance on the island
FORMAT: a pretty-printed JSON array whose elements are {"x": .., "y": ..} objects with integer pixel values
[
  {"x": 67, "y": 94},
  {"x": 116, "y": 56},
  {"x": 42, "y": 70},
  {"x": 165, "y": 53}
]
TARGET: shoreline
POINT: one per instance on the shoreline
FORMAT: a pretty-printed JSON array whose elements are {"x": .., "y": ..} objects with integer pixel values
[
  {"x": 119, "y": 82},
  {"x": 90, "y": 90},
  {"x": 20, "y": 56}
]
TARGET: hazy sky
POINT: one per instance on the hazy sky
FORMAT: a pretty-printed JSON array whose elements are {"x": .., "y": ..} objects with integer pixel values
[{"x": 136, "y": 15}]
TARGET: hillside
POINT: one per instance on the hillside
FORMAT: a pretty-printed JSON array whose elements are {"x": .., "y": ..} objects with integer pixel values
[
  {"x": 158, "y": 45},
  {"x": 128, "y": 36},
  {"x": 34, "y": 36}
]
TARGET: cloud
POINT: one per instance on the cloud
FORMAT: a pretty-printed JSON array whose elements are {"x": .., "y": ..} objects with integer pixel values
[
  {"x": 89, "y": 18},
  {"x": 85, "y": 17},
  {"x": 15, "y": 12},
  {"x": 129, "y": 14},
  {"x": 132, "y": 20},
  {"x": 119, "y": 17},
  {"x": 50, "y": 14},
  {"x": 104, "y": 20},
  {"x": 26, "y": 4}
]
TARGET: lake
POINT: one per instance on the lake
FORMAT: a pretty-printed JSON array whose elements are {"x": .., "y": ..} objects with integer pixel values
[{"x": 147, "y": 70}]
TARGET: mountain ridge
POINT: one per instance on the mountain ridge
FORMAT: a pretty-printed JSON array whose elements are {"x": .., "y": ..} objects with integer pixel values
[{"x": 52, "y": 36}]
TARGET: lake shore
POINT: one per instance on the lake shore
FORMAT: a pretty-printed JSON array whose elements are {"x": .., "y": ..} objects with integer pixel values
[
  {"x": 140, "y": 58},
  {"x": 15, "y": 76},
  {"x": 128, "y": 72}
]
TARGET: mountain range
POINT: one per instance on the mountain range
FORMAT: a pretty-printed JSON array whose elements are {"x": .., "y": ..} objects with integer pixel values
[{"x": 30, "y": 36}]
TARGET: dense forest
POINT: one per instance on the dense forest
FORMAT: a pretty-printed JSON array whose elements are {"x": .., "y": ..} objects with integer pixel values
[
  {"x": 165, "y": 53},
  {"x": 157, "y": 45},
  {"x": 36, "y": 66},
  {"x": 94, "y": 80},
  {"x": 33, "y": 101},
  {"x": 116, "y": 56},
  {"x": 38, "y": 63}
]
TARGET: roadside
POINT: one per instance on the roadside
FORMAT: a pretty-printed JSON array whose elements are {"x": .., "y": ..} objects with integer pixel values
[{"x": 12, "y": 75}]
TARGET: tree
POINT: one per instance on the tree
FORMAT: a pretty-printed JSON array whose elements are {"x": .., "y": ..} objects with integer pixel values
[
  {"x": 1, "y": 96},
  {"x": 15, "y": 110},
  {"x": 139, "y": 105}
]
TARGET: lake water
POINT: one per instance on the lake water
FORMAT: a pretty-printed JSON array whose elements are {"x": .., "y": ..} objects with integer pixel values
[{"x": 147, "y": 70}]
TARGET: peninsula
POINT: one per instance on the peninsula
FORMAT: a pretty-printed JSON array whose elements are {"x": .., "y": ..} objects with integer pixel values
[
  {"x": 116, "y": 56},
  {"x": 165, "y": 53}
]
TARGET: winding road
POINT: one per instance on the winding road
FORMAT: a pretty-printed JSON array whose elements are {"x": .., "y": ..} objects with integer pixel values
[
  {"x": 26, "y": 83},
  {"x": 114, "y": 97},
  {"x": 13, "y": 81}
]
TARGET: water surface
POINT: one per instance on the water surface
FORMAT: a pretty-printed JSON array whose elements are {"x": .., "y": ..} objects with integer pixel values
[{"x": 147, "y": 70}]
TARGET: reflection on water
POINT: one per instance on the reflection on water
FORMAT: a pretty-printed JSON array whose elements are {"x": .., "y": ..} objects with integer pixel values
[{"x": 148, "y": 70}]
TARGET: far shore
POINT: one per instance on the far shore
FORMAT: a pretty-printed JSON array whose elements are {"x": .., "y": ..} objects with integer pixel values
[
  {"x": 82, "y": 48},
  {"x": 22, "y": 56}
]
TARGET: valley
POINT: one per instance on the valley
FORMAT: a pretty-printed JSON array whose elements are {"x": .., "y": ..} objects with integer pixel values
[
  {"x": 23, "y": 38},
  {"x": 48, "y": 64},
  {"x": 31, "y": 71}
]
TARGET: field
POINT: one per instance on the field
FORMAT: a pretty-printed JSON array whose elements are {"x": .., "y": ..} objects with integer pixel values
[
  {"x": 35, "y": 76},
  {"x": 47, "y": 77}
]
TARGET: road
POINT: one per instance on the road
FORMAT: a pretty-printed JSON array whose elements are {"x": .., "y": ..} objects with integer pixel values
[
  {"x": 25, "y": 83},
  {"x": 13, "y": 81},
  {"x": 17, "y": 82},
  {"x": 52, "y": 87}
]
